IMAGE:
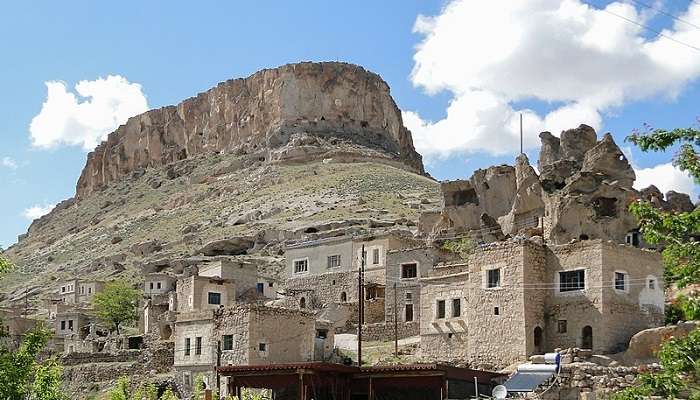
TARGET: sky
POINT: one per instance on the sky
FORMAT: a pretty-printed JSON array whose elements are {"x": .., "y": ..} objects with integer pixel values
[{"x": 462, "y": 71}]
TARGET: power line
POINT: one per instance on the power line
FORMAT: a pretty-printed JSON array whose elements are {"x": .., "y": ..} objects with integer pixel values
[
  {"x": 661, "y": 11},
  {"x": 661, "y": 34}
]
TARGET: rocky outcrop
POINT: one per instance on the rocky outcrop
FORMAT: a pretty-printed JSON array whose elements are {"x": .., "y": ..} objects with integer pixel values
[
  {"x": 527, "y": 206},
  {"x": 256, "y": 114},
  {"x": 679, "y": 202},
  {"x": 576, "y": 142},
  {"x": 606, "y": 158},
  {"x": 489, "y": 191},
  {"x": 583, "y": 192}
]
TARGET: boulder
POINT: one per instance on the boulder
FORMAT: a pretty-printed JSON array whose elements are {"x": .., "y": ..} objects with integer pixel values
[
  {"x": 606, "y": 158},
  {"x": 645, "y": 344},
  {"x": 146, "y": 248},
  {"x": 228, "y": 247}
]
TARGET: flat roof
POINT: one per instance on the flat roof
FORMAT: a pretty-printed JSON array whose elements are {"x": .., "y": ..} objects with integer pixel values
[{"x": 359, "y": 372}]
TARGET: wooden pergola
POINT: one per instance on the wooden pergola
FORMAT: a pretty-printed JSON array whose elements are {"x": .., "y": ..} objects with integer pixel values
[{"x": 325, "y": 381}]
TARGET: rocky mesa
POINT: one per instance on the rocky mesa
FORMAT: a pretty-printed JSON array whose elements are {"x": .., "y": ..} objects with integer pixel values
[{"x": 270, "y": 114}]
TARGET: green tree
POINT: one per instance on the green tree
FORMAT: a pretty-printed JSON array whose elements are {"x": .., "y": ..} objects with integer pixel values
[
  {"x": 679, "y": 358},
  {"x": 47, "y": 381},
  {"x": 17, "y": 368},
  {"x": 5, "y": 263},
  {"x": 676, "y": 231},
  {"x": 117, "y": 304}
]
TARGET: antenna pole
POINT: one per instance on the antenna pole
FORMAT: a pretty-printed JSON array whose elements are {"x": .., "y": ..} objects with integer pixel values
[
  {"x": 396, "y": 326},
  {"x": 360, "y": 304},
  {"x": 521, "y": 133}
]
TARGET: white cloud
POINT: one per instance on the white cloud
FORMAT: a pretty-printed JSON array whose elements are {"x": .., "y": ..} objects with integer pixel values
[
  {"x": 85, "y": 119},
  {"x": 37, "y": 211},
  {"x": 584, "y": 61},
  {"x": 9, "y": 162},
  {"x": 666, "y": 177}
]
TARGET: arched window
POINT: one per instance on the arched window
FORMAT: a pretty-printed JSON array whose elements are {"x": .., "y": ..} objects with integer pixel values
[
  {"x": 302, "y": 302},
  {"x": 343, "y": 297},
  {"x": 587, "y": 337}
]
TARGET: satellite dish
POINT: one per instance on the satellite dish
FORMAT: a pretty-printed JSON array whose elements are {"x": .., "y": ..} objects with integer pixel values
[{"x": 499, "y": 392}]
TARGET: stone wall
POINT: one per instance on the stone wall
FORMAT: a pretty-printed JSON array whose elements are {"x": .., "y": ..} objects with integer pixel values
[
  {"x": 589, "y": 381},
  {"x": 385, "y": 331},
  {"x": 319, "y": 290}
]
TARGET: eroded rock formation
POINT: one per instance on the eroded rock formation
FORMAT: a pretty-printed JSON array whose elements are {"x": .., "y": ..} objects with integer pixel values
[
  {"x": 583, "y": 192},
  {"x": 268, "y": 110}
]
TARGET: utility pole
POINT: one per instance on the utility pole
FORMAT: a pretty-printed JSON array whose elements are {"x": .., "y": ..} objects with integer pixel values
[
  {"x": 396, "y": 326},
  {"x": 360, "y": 304},
  {"x": 521, "y": 133},
  {"x": 218, "y": 364}
]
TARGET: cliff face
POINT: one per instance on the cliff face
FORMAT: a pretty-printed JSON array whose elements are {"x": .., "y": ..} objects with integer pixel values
[{"x": 256, "y": 115}]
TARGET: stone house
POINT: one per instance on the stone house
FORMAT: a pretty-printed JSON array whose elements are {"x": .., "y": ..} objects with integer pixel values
[
  {"x": 245, "y": 276},
  {"x": 513, "y": 299},
  {"x": 158, "y": 284},
  {"x": 405, "y": 271},
  {"x": 324, "y": 271},
  {"x": 246, "y": 334},
  {"x": 13, "y": 326},
  {"x": 196, "y": 293},
  {"x": 71, "y": 322},
  {"x": 78, "y": 291}
]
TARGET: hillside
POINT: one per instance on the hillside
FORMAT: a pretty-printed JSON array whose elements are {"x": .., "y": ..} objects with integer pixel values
[{"x": 182, "y": 207}]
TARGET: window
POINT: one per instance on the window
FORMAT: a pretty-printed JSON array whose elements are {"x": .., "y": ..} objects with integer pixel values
[
  {"x": 63, "y": 289},
  {"x": 440, "y": 309},
  {"x": 214, "y": 298},
  {"x": 496, "y": 311},
  {"x": 343, "y": 297},
  {"x": 270, "y": 284},
  {"x": 620, "y": 281},
  {"x": 334, "y": 261},
  {"x": 262, "y": 346},
  {"x": 652, "y": 284},
  {"x": 632, "y": 238},
  {"x": 198, "y": 345},
  {"x": 322, "y": 333},
  {"x": 375, "y": 256},
  {"x": 570, "y": 281},
  {"x": 187, "y": 346},
  {"x": 260, "y": 287},
  {"x": 456, "y": 308},
  {"x": 158, "y": 285},
  {"x": 151, "y": 285},
  {"x": 63, "y": 325},
  {"x": 493, "y": 278},
  {"x": 408, "y": 313},
  {"x": 409, "y": 296},
  {"x": 301, "y": 266},
  {"x": 89, "y": 290},
  {"x": 302, "y": 302},
  {"x": 70, "y": 324},
  {"x": 561, "y": 326},
  {"x": 409, "y": 271},
  {"x": 228, "y": 342}
]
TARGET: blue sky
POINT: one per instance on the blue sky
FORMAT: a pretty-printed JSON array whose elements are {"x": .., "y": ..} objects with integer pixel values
[{"x": 175, "y": 50}]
